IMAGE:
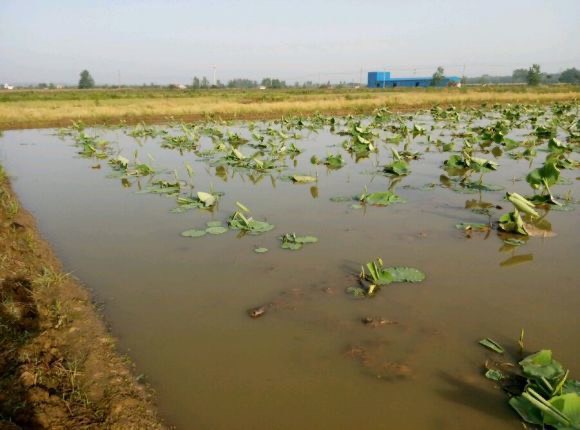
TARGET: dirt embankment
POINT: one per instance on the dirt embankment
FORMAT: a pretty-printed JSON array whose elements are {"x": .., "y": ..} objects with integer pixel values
[{"x": 58, "y": 365}]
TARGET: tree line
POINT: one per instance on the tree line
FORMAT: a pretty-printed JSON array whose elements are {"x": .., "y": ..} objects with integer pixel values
[{"x": 532, "y": 76}]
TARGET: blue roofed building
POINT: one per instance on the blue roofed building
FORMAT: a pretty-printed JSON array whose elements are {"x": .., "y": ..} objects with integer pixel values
[{"x": 384, "y": 80}]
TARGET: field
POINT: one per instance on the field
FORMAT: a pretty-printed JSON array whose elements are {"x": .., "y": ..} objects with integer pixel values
[
  {"x": 50, "y": 108},
  {"x": 308, "y": 271}
]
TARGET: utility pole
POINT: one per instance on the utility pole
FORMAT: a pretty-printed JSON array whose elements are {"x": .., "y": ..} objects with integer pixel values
[
  {"x": 360, "y": 78},
  {"x": 214, "y": 71}
]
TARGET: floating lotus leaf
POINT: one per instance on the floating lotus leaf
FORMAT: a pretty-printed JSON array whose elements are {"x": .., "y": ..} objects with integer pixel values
[
  {"x": 384, "y": 198},
  {"x": 216, "y": 230},
  {"x": 193, "y": 233},
  {"x": 472, "y": 226},
  {"x": 293, "y": 242},
  {"x": 260, "y": 250},
  {"x": 302, "y": 179},
  {"x": 405, "y": 274},
  {"x": 492, "y": 344},
  {"x": 356, "y": 292}
]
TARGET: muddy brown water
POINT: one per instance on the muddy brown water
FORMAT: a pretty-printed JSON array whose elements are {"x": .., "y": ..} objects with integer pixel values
[{"x": 179, "y": 305}]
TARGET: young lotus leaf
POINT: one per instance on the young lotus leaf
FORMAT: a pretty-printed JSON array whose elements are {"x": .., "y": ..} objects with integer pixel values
[
  {"x": 214, "y": 224},
  {"x": 193, "y": 233},
  {"x": 302, "y": 179},
  {"x": 216, "y": 230},
  {"x": 163, "y": 187},
  {"x": 384, "y": 198},
  {"x": 512, "y": 223},
  {"x": 398, "y": 168},
  {"x": 472, "y": 226},
  {"x": 554, "y": 145},
  {"x": 238, "y": 221},
  {"x": 522, "y": 204},
  {"x": 260, "y": 250},
  {"x": 568, "y": 405},
  {"x": 526, "y": 410},
  {"x": 378, "y": 275},
  {"x": 293, "y": 242},
  {"x": 206, "y": 198},
  {"x": 541, "y": 365},
  {"x": 334, "y": 161},
  {"x": 492, "y": 344},
  {"x": 494, "y": 375},
  {"x": 544, "y": 176},
  {"x": 483, "y": 165}
]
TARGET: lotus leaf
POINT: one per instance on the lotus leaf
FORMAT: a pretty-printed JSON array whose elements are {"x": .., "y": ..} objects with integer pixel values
[
  {"x": 193, "y": 233},
  {"x": 301, "y": 179},
  {"x": 406, "y": 274},
  {"x": 492, "y": 344},
  {"x": 541, "y": 364},
  {"x": 293, "y": 242},
  {"x": 494, "y": 375},
  {"x": 384, "y": 198},
  {"x": 569, "y": 406},
  {"x": 472, "y": 226},
  {"x": 399, "y": 168},
  {"x": 216, "y": 230}
]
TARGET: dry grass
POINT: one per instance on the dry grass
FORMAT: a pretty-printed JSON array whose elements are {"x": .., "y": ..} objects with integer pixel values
[{"x": 253, "y": 104}]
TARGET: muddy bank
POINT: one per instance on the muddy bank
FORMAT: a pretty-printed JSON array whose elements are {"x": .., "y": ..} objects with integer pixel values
[{"x": 58, "y": 365}]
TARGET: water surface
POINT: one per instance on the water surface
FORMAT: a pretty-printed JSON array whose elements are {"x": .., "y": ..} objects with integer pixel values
[{"x": 179, "y": 305}]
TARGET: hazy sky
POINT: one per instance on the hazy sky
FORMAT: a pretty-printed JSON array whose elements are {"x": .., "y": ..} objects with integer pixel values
[{"x": 174, "y": 40}]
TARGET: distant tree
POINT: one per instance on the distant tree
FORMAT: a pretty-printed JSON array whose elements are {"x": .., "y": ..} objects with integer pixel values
[
  {"x": 570, "y": 76},
  {"x": 195, "y": 84},
  {"x": 242, "y": 83},
  {"x": 204, "y": 83},
  {"x": 86, "y": 80},
  {"x": 277, "y": 83},
  {"x": 520, "y": 76},
  {"x": 534, "y": 76},
  {"x": 438, "y": 77},
  {"x": 266, "y": 82},
  {"x": 42, "y": 85}
]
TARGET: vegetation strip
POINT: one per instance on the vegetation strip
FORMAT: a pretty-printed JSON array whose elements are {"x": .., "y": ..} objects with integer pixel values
[{"x": 37, "y": 109}]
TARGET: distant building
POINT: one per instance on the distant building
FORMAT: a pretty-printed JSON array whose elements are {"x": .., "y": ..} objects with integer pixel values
[
  {"x": 384, "y": 80},
  {"x": 8, "y": 87}
]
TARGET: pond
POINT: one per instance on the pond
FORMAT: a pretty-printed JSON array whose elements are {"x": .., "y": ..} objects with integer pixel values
[{"x": 179, "y": 305}]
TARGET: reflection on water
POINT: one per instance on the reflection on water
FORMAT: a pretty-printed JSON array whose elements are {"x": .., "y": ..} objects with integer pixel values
[{"x": 179, "y": 305}]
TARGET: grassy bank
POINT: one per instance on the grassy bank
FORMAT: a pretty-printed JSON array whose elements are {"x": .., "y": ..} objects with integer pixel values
[
  {"x": 43, "y": 108},
  {"x": 58, "y": 364}
]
